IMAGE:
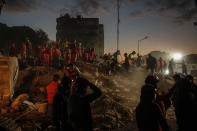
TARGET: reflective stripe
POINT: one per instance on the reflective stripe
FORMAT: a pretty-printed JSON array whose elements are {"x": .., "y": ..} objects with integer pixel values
[{"x": 51, "y": 93}]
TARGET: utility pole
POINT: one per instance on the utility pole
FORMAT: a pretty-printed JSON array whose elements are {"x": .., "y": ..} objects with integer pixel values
[{"x": 118, "y": 22}]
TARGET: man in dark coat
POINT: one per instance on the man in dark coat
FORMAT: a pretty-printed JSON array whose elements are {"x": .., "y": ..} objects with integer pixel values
[
  {"x": 79, "y": 111},
  {"x": 60, "y": 113},
  {"x": 151, "y": 63}
]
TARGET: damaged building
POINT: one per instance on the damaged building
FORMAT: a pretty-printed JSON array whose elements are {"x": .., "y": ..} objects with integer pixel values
[{"x": 88, "y": 31}]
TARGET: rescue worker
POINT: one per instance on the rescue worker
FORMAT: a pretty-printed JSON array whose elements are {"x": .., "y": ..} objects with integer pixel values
[
  {"x": 65, "y": 45},
  {"x": 24, "y": 52},
  {"x": 131, "y": 57},
  {"x": 29, "y": 49},
  {"x": 149, "y": 114},
  {"x": 51, "y": 91},
  {"x": 72, "y": 73},
  {"x": 51, "y": 54},
  {"x": 60, "y": 106},
  {"x": 151, "y": 63},
  {"x": 126, "y": 63},
  {"x": 92, "y": 55},
  {"x": 184, "y": 68},
  {"x": 57, "y": 43},
  {"x": 79, "y": 113},
  {"x": 158, "y": 65},
  {"x": 47, "y": 57},
  {"x": 161, "y": 65},
  {"x": 171, "y": 67},
  {"x": 86, "y": 55},
  {"x": 13, "y": 51},
  {"x": 74, "y": 52},
  {"x": 38, "y": 54},
  {"x": 80, "y": 50},
  {"x": 68, "y": 57},
  {"x": 43, "y": 58},
  {"x": 57, "y": 56}
]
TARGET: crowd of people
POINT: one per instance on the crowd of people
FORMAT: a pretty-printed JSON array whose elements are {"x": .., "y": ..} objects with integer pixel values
[
  {"x": 53, "y": 54},
  {"x": 154, "y": 103},
  {"x": 116, "y": 62},
  {"x": 68, "y": 102}
]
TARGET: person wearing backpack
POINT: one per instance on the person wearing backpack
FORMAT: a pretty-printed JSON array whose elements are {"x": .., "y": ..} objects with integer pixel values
[{"x": 79, "y": 110}]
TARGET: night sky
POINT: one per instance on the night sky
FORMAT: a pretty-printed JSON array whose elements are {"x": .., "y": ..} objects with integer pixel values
[{"x": 168, "y": 23}]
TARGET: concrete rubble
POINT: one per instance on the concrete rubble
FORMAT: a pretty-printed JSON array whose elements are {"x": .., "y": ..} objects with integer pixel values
[{"x": 110, "y": 112}]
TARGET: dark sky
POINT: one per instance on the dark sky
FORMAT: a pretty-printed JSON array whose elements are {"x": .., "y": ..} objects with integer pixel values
[{"x": 168, "y": 23}]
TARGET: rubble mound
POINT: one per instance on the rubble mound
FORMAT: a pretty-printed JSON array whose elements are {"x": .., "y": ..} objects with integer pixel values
[{"x": 28, "y": 107}]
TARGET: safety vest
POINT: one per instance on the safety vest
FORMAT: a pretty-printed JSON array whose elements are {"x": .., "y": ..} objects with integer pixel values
[
  {"x": 51, "y": 52},
  {"x": 24, "y": 48},
  {"x": 51, "y": 90},
  {"x": 57, "y": 52},
  {"x": 86, "y": 56},
  {"x": 158, "y": 64},
  {"x": 43, "y": 50}
]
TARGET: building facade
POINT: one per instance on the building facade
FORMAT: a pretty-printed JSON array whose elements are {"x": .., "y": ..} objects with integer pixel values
[{"x": 88, "y": 31}]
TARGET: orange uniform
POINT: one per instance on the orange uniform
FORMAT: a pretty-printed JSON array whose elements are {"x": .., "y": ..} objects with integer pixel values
[
  {"x": 57, "y": 52},
  {"x": 51, "y": 90},
  {"x": 24, "y": 48},
  {"x": 86, "y": 56},
  {"x": 51, "y": 56},
  {"x": 68, "y": 58}
]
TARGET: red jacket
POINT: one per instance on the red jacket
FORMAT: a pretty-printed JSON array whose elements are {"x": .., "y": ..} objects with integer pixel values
[
  {"x": 43, "y": 50},
  {"x": 51, "y": 52},
  {"x": 57, "y": 52},
  {"x": 24, "y": 48},
  {"x": 51, "y": 90}
]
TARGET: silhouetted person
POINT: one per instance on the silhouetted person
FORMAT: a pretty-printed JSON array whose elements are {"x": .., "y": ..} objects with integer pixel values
[
  {"x": 126, "y": 62},
  {"x": 149, "y": 114},
  {"x": 151, "y": 63},
  {"x": 184, "y": 68},
  {"x": 185, "y": 103},
  {"x": 13, "y": 51},
  {"x": 171, "y": 67},
  {"x": 79, "y": 111},
  {"x": 60, "y": 112}
]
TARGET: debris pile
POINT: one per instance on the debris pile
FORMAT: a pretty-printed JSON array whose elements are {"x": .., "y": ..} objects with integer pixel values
[{"x": 28, "y": 108}]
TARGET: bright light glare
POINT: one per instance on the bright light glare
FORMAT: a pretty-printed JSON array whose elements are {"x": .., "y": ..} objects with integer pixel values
[
  {"x": 166, "y": 72},
  {"x": 177, "y": 56}
]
